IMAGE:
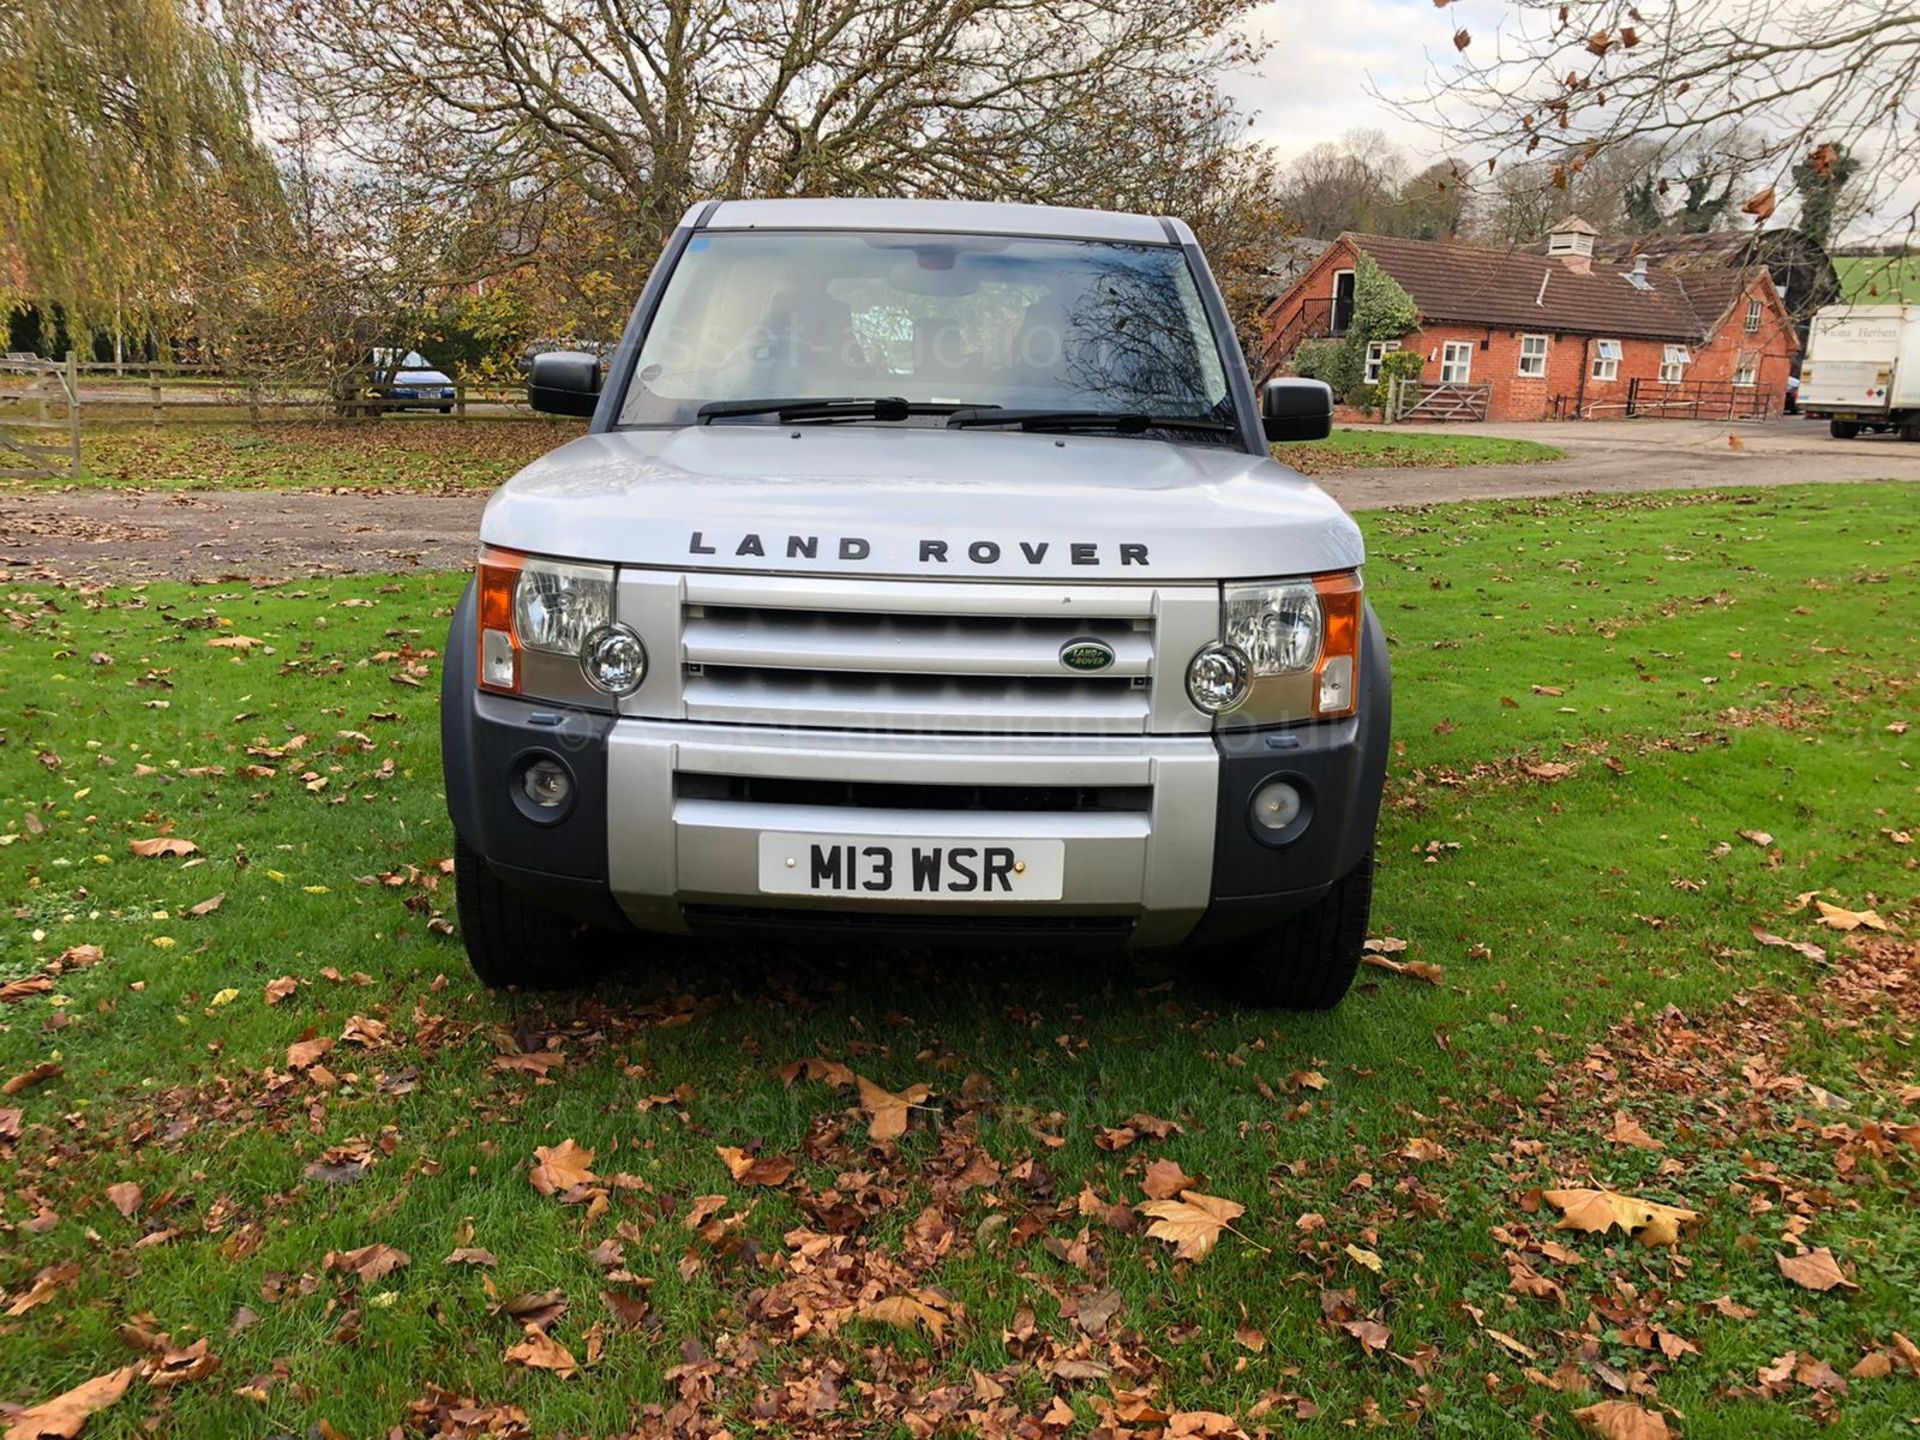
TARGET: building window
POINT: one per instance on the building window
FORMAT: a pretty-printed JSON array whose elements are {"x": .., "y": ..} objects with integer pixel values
[
  {"x": 1533, "y": 357},
  {"x": 1375, "y": 350},
  {"x": 1456, "y": 362},
  {"x": 1673, "y": 364},
  {"x": 1753, "y": 316},
  {"x": 1606, "y": 360},
  {"x": 1745, "y": 368},
  {"x": 1341, "y": 319}
]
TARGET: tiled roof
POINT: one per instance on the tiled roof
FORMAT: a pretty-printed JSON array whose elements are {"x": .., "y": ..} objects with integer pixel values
[{"x": 1515, "y": 290}]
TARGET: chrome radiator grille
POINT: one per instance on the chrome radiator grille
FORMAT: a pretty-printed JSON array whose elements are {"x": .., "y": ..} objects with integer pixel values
[{"x": 918, "y": 656}]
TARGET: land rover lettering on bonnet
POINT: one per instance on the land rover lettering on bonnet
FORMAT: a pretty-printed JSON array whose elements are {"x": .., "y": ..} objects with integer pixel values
[{"x": 923, "y": 576}]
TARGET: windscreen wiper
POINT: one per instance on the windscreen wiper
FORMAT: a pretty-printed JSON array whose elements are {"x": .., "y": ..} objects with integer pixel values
[
  {"x": 1127, "y": 422},
  {"x": 841, "y": 407}
]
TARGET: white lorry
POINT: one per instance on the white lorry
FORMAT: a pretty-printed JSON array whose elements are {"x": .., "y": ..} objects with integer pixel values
[
  {"x": 923, "y": 575},
  {"x": 1862, "y": 371}
]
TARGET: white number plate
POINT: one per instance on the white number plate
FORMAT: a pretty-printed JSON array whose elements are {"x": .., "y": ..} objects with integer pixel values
[{"x": 879, "y": 867}]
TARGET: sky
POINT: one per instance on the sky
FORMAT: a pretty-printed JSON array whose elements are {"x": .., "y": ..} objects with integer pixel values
[
  {"x": 1321, "y": 54},
  {"x": 1326, "y": 59}
]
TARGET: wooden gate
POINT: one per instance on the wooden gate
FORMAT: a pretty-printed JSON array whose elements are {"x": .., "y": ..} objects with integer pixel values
[
  {"x": 47, "y": 404},
  {"x": 1417, "y": 400}
]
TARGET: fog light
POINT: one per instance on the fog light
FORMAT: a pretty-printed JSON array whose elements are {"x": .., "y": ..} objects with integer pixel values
[
  {"x": 1217, "y": 678},
  {"x": 1276, "y": 805},
  {"x": 615, "y": 660},
  {"x": 547, "y": 784}
]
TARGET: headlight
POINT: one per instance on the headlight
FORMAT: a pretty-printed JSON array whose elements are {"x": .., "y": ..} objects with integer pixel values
[
  {"x": 1297, "y": 646},
  {"x": 557, "y": 605},
  {"x": 549, "y": 630},
  {"x": 1277, "y": 627}
]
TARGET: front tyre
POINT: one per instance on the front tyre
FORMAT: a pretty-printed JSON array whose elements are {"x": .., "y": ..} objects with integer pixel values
[
  {"x": 510, "y": 940},
  {"x": 1307, "y": 961}
]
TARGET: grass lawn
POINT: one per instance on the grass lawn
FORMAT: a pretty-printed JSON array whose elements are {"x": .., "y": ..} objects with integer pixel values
[
  {"x": 1629, "y": 730},
  {"x": 1878, "y": 279},
  {"x": 417, "y": 453},
  {"x": 1366, "y": 449},
  {"x": 398, "y": 453}
]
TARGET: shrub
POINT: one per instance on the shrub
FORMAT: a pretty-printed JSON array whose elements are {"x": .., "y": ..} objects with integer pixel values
[
  {"x": 1397, "y": 364},
  {"x": 1333, "y": 361}
]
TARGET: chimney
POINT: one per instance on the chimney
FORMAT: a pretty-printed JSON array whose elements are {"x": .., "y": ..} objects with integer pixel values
[{"x": 1571, "y": 242}]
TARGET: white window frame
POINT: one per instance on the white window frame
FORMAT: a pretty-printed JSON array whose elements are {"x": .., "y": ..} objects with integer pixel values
[
  {"x": 1606, "y": 359},
  {"x": 1674, "y": 360},
  {"x": 1333, "y": 299},
  {"x": 1541, "y": 358},
  {"x": 1454, "y": 352},
  {"x": 1749, "y": 366},
  {"x": 1754, "y": 311},
  {"x": 1376, "y": 350}
]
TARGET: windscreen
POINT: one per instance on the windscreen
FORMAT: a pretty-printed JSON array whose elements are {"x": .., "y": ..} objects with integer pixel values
[{"x": 933, "y": 319}]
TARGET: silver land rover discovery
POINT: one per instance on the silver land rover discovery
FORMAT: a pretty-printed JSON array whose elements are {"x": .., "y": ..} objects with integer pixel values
[{"x": 923, "y": 575}]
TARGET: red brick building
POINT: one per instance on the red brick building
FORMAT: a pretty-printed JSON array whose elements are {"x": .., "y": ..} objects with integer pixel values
[{"x": 1522, "y": 336}]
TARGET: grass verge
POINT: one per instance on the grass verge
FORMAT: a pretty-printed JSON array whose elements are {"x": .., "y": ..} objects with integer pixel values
[
  {"x": 1629, "y": 729},
  {"x": 411, "y": 453},
  {"x": 1383, "y": 448},
  {"x": 428, "y": 453}
]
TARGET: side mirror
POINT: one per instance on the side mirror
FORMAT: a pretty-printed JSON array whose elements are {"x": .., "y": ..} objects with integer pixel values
[
  {"x": 564, "y": 382},
  {"x": 1296, "y": 410}
]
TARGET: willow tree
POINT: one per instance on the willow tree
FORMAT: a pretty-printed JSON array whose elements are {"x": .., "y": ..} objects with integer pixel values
[{"x": 123, "y": 127}]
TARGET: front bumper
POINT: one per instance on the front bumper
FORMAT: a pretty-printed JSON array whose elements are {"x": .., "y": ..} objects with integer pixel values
[{"x": 663, "y": 830}]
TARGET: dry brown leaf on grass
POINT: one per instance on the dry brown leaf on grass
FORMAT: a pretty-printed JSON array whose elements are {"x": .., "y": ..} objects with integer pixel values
[
  {"x": 472, "y": 1255},
  {"x": 45, "y": 1283},
  {"x": 540, "y": 1351},
  {"x": 1598, "y": 1211},
  {"x": 908, "y": 1312},
  {"x": 124, "y": 1197},
  {"x": 1203, "y": 1425},
  {"x": 1193, "y": 1223},
  {"x": 62, "y": 1417},
  {"x": 21, "y": 989},
  {"x": 1164, "y": 1180},
  {"x": 1412, "y": 969},
  {"x": 1372, "y": 1335},
  {"x": 162, "y": 845},
  {"x": 1839, "y": 918},
  {"x": 560, "y": 1167},
  {"x": 304, "y": 1053},
  {"x": 369, "y": 1262},
  {"x": 1622, "y": 1420},
  {"x": 1814, "y": 1270},
  {"x": 1628, "y": 1131},
  {"x": 887, "y": 1112},
  {"x": 827, "y": 1072},
  {"x": 177, "y": 1365},
  {"x": 755, "y": 1169},
  {"x": 1804, "y": 947}
]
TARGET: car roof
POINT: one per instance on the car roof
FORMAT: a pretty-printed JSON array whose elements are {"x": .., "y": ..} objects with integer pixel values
[{"x": 966, "y": 217}]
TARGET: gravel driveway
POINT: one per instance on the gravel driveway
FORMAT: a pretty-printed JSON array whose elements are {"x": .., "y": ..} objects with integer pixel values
[{"x": 130, "y": 534}]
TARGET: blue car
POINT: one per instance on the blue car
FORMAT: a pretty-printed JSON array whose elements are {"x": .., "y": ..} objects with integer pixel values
[{"x": 416, "y": 385}]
